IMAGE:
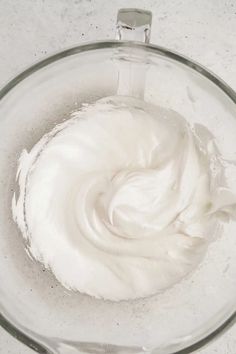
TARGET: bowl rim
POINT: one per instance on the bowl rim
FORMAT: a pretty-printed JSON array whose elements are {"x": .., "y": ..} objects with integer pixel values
[{"x": 7, "y": 324}]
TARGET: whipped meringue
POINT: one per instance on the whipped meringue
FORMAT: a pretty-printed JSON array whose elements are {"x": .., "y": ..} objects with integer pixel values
[{"x": 121, "y": 200}]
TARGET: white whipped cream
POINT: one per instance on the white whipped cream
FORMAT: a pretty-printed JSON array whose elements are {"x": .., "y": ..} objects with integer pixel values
[{"x": 121, "y": 200}]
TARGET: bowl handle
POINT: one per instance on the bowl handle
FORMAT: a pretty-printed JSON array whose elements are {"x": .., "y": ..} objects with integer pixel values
[{"x": 133, "y": 25}]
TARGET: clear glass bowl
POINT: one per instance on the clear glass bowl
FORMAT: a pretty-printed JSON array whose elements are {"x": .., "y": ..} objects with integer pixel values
[{"x": 34, "y": 307}]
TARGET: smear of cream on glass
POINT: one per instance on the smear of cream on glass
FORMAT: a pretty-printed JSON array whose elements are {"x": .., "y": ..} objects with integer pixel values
[{"x": 121, "y": 200}]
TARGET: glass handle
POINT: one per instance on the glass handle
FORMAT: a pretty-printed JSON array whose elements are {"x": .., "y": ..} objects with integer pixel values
[{"x": 132, "y": 25}]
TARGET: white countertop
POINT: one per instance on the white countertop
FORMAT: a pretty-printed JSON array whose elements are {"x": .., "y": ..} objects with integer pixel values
[{"x": 203, "y": 30}]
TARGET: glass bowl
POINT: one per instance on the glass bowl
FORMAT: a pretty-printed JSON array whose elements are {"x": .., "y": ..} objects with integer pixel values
[{"x": 34, "y": 307}]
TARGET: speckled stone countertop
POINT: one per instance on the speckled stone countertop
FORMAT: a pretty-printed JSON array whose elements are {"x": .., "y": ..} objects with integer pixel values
[{"x": 202, "y": 30}]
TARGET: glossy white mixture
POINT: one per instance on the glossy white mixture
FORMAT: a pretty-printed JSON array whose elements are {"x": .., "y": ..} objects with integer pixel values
[{"x": 121, "y": 200}]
